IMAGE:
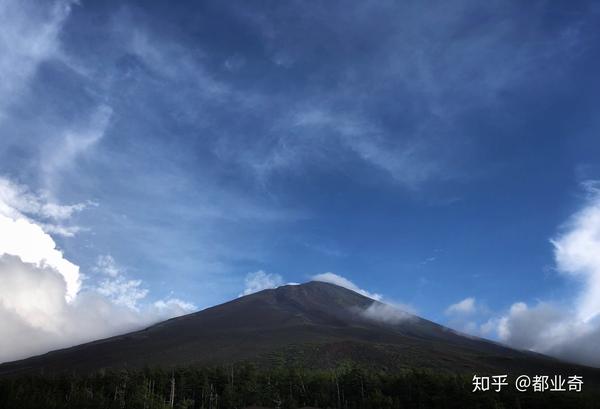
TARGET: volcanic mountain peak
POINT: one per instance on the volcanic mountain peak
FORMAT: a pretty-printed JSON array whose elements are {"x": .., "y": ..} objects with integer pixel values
[
  {"x": 315, "y": 324},
  {"x": 312, "y": 297},
  {"x": 314, "y": 303},
  {"x": 316, "y": 293}
]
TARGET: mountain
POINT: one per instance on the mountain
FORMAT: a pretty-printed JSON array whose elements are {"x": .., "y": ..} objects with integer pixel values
[{"x": 315, "y": 324}]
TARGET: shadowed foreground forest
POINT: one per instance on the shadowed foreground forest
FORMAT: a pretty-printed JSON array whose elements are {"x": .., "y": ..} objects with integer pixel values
[{"x": 241, "y": 386}]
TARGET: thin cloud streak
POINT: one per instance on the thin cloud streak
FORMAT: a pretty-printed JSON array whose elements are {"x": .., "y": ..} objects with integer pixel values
[{"x": 28, "y": 37}]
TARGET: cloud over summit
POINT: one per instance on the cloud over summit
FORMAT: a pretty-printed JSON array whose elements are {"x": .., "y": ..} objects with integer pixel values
[{"x": 333, "y": 278}]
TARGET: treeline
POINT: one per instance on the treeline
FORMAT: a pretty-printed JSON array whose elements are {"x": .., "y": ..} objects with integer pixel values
[{"x": 347, "y": 387}]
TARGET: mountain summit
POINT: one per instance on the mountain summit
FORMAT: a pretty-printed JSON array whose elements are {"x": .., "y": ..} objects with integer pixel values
[{"x": 314, "y": 324}]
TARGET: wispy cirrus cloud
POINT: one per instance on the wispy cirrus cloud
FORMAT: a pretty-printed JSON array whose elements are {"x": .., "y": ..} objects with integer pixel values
[
  {"x": 17, "y": 201},
  {"x": 71, "y": 142},
  {"x": 399, "y": 98},
  {"x": 29, "y": 36}
]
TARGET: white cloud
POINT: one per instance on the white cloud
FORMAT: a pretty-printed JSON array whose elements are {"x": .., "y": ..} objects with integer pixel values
[
  {"x": 35, "y": 317},
  {"x": 344, "y": 282},
  {"x": 577, "y": 254},
  {"x": 551, "y": 329},
  {"x": 26, "y": 221},
  {"x": 131, "y": 292},
  {"x": 466, "y": 306},
  {"x": 486, "y": 329},
  {"x": 122, "y": 291},
  {"x": 174, "y": 306},
  {"x": 465, "y": 315},
  {"x": 107, "y": 265},
  {"x": 61, "y": 230},
  {"x": 540, "y": 328},
  {"x": 30, "y": 36},
  {"x": 569, "y": 330},
  {"x": 17, "y": 201},
  {"x": 259, "y": 281},
  {"x": 42, "y": 303},
  {"x": 388, "y": 314},
  {"x": 25, "y": 239}
]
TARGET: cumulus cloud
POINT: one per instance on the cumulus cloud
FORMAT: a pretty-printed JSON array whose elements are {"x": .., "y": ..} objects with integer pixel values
[
  {"x": 549, "y": 328},
  {"x": 570, "y": 331},
  {"x": 45, "y": 301},
  {"x": 466, "y": 306},
  {"x": 577, "y": 254},
  {"x": 344, "y": 282},
  {"x": 536, "y": 328},
  {"x": 465, "y": 316},
  {"x": 35, "y": 317},
  {"x": 259, "y": 281},
  {"x": 43, "y": 304},
  {"x": 28, "y": 241}
]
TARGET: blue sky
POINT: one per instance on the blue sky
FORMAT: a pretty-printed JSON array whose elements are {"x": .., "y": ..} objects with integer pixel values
[{"x": 426, "y": 152}]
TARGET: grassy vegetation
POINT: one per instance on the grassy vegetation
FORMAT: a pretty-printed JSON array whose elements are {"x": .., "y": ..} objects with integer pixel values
[{"x": 346, "y": 387}]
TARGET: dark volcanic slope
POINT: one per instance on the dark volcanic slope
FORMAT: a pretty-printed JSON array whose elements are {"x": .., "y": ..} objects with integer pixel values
[{"x": 315, "y": 324}]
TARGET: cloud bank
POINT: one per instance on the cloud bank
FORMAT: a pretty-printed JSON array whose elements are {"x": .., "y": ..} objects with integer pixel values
[
  {"x": 569, "y": 330},
  {"x": 577, "y": 254},
  {"x": 20, "y": 236},
  {"x": 43, "y": 302}
]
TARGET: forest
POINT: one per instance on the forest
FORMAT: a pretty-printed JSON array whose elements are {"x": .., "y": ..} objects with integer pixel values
[{"x": 348, "y": 386}]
